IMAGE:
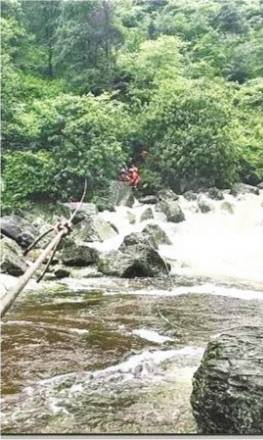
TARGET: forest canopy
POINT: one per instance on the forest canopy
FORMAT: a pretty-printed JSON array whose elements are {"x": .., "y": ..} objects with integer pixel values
[{"x": 85, "y": 82}]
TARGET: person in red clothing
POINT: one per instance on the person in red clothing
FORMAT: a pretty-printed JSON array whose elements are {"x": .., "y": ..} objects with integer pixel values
[{"x": 134, "y": 176}]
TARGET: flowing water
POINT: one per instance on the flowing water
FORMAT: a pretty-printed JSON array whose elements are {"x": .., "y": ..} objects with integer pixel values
[{"x": 100, "y": 355}]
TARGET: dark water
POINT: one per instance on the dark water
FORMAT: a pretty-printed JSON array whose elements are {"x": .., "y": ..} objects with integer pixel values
[{"x": 112, "y": 356}]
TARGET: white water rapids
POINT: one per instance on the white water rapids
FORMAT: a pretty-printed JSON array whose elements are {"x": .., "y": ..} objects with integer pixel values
[{"x": 221, "y": 244}]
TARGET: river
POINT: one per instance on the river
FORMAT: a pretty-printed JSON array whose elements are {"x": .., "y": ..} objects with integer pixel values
[{"x": 109, "y": 355}]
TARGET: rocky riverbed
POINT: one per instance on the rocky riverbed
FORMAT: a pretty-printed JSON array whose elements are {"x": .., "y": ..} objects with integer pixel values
[{"x": 91, "y": 353}]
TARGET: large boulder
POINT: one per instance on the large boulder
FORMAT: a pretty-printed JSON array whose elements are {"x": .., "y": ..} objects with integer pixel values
[
  {"x": 78, "y": 254},
  {"x": 172, "y": 210},
  {"x": 227, "y": 395},
  {"x": 137, "y": 238},
  {"x": 94, "y": 228},
  {"x": 12, "y": 261},
  {"x": 18, "y": 229},
  {"x": 243, "y": 188},
  {"x": 136, "y": 261},
  {"x": 156, "y": 234},
  {"x": 120, "y": 194}
]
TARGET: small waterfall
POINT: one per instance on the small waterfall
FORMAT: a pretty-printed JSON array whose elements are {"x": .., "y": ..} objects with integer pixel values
[{"x": 225, "y": 243}]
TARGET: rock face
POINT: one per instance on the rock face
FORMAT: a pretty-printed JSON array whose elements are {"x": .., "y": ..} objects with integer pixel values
[
  {"x": 121, "y": 194},
  {"x": 137, "y": 238},
  {"x": 227, "y": 395},
  {"x": 242, "y": 188},
  {"x": 78, "y": 254},
  {"x": 94, "y": 228},
  {"x": 147, "y": 214},
  {"x": 155, "y": 233},
  {"x": 17, "y": 228},
  {"x": 11, "y": 258},
  {"x": 137, "y": 260},
  {"x": 172, "y": 210}
]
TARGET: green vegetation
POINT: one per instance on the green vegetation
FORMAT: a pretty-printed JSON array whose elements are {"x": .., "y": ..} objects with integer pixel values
[{"x": 85, "y": 82}]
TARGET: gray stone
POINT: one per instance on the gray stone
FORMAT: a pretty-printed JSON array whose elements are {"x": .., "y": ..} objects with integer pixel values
[
  {"x": 243, "y": 188},
  {"x": 137, "y": 238},
  {"x": 12, "y": 261},
  {"x": 120, "y": 194},
  {"x": 227, "y": 206},
  {"x": 215, "y": 193},
  {"x": 172, "y": 210},
  {"x": 149, "y": 200},
  {"x": 165, "y": 194},
  {"x": 131, "y": 217},
  {"x": 61, "y": 272},
  {"x": 94, "y": 228},
  {"x": 260, "y": 185},
  {"x": 18, "y": 229},
  {"x": 204, "y": 204},
  {"x": 227, "y": 395},
  {"x": 147, "y": 214},
  {"x": 190, "y": 195},
  {"x": 78, "y": 254},
  {"x": 136, "y": 261},
  {"x": 155, "y": 233}
]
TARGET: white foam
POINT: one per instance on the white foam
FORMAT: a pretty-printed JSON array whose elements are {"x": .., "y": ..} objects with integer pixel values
[{"x": 151, "y": 335}]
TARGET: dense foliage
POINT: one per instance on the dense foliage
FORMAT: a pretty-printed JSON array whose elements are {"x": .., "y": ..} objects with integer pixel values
[{"x": 85, "y": 82}]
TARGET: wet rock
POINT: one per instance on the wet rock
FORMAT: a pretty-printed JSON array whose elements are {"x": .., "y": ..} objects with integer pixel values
[
  {"x": 120, "y": 194},
  {"x": 172, "y": 210},
  {"x": 190, "y": 195},
  {"x": 165, "y": 194},
  {"x": 131, "y": 217},
  {"x": 227, "y": 395},
  {"x": 154, "y": 232},
  {"x": 243, "y": 188},
  {"x": 147, "y": 214},
  {"x": 61, "y": 272},
  {"x": 227, "y": 206},
  {"x": 12, "y": 261},
  {"x": 137, "y": 261},
  {"x": 78, "y": 254},
  {"x": 215, "y": 193},
  {"x": 260, "y": 185},
  {"x": 204, "y": 204},
  {"x": 149, "y": 200},
  {"x": 94, "y": 228},
  {"x": 18, "y": 229},
  {"x": 137, "y": 238}
]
